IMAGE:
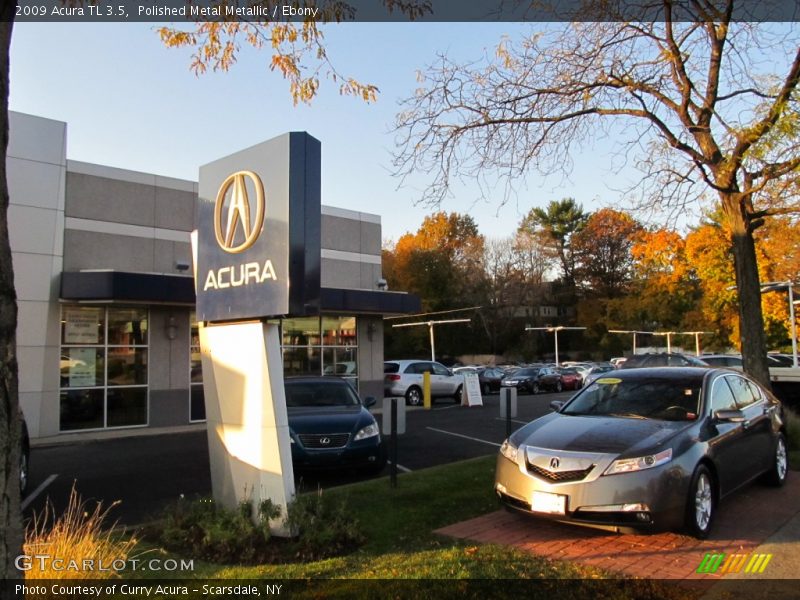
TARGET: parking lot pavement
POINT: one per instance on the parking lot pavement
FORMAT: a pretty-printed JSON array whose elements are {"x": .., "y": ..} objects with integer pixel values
[
  {"x": 146, "y": 470},
  {"x": 746, "y": 520}
]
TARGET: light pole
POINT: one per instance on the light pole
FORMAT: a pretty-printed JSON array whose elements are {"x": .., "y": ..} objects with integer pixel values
[
  {"x": 771, "y": 286},
  {"x": 430, "y": 325},
  {"x": 634, "y": 335},
  {"x": 555, "y": 330}
]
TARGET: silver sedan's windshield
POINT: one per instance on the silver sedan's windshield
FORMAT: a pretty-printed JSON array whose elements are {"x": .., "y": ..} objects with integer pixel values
[{"x": 664, "y": 399}]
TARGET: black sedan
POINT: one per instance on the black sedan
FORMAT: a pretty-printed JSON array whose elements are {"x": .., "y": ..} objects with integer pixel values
[
  {"x": 490, "y": 378},
  {"x": 330, "y": 427},
  {"x": 646, "y": 448},
  {"x": 532, "y": 380}
]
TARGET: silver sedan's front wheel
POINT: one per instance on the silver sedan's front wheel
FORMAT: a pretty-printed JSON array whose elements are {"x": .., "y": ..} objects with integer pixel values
[{"x": 701, "y": 504}]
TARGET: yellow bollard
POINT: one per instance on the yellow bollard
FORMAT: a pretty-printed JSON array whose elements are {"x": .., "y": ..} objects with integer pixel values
[{"x": 426, "y": 390}]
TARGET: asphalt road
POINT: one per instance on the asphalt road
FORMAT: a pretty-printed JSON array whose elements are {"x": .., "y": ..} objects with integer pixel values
[{"x": 144, "y": 474}]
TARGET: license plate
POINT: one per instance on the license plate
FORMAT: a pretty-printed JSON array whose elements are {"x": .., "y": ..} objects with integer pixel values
[{"x": 545, "y": 502}]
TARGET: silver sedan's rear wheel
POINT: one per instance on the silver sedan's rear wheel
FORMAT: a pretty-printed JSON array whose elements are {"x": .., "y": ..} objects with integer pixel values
[
  {"x": 780, "y": 464},
  {"x": 701, "y": 504}
]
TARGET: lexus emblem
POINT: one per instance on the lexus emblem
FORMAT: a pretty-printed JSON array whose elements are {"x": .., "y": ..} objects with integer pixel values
[
  {"x": 324, "y": 441},
  {"x": 233, "y": 192},
  {"x": 555, "y": 463}
]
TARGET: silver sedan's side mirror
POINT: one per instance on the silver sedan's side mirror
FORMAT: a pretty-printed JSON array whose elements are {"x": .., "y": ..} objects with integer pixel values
[
  {"x": 556, "y": 405},
  {"x": 731, "y": 416}
]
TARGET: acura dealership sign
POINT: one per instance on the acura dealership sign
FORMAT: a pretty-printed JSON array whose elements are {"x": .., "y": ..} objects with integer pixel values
[{"x": 259, "y": 232}]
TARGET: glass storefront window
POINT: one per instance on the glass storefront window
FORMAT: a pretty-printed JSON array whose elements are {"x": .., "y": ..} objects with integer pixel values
[
  {"x": 197, "y": 407},
  {"x": 82, "y": 367},
  {"x": 127, "y": 327},
  {"x": 103, "y": 364},
  {"x": 301, "y": 361},
  {"x": 338, "y": 331},
  {"x": 301, "y": 332},
  {"x": 313, "y": 346},
  {"x": 82, "y": 325}
]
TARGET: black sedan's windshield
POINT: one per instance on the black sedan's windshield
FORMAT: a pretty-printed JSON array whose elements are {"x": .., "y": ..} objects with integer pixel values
[
  {"x": 313, "y": 393},
  {"x": 665, "y": 399}
]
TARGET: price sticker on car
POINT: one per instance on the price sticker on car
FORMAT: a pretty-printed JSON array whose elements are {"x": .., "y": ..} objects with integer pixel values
[{"x": 545, "y": 502}]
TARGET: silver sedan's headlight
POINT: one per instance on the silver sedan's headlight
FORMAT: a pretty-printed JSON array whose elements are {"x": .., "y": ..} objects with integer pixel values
[
  {"x": 509, "y": 450},
  {"x": 367, "y": 432},
  {"x": 628, "y": 465}
]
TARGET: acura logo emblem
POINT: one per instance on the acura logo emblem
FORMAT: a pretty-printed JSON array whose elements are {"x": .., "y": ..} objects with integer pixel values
[
  {"x": 555, "y": 463},
  {"x": 239, "y": 216},
  {"x": 325, "y": 441}
]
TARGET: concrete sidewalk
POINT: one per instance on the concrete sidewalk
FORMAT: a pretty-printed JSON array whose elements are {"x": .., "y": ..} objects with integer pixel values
[{"x": 83, "y": 437}]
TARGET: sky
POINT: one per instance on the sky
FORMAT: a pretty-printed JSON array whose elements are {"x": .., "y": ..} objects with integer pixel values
[{"x": 131, "y": 102}]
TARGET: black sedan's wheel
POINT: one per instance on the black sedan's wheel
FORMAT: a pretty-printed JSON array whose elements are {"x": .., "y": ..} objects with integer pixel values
[
  {"x": 487, "y": 389},
  {"x": 414, "y": 396},
  {"x": 701, "y": 504},
  {"x": 534, "y": 388},
  {"x": 777, "y": 474},
  {"x": 23, "y": 472},
  {"x": 559, "y": 387}
]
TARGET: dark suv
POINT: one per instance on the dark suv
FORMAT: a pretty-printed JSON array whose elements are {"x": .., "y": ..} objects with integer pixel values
[{"x": 662, "y": 359}]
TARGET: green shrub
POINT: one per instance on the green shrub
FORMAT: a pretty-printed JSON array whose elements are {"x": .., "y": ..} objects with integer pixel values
[
  {"x": 323, "y": 527},
  {"x": 211, "y": 532},
  {"x": 203, "y": 529}
]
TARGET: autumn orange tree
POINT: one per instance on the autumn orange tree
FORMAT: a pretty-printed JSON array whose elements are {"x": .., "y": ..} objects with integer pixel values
[
  {"x": 443, "y": 263},
  {"x": 603, "y": 252},
  {"x": 686, "y": 94}
]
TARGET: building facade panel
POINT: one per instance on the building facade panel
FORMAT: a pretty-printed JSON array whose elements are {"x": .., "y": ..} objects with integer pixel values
[
  {"x": 35, "y": 183},
  {"x": 93, "y": 250},
  {"x": 175, "y": 209},
  {"x": 37, "y": 139},
  {"x": 105, "y": 199}
]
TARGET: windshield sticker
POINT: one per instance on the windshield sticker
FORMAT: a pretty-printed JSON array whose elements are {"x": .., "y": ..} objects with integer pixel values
[{"x": 608, "y": 381}]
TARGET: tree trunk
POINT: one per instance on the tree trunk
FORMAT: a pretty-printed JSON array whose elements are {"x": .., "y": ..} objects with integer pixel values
[
  {"x": 751, "y": 320},
  {"x": 10, "y": 432}
]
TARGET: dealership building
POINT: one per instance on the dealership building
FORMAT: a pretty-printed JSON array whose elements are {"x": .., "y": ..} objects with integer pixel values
[{"x": 107, "y": 337}]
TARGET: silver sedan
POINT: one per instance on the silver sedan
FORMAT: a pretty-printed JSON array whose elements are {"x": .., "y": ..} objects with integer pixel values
[{"x": 646, "y": 448}]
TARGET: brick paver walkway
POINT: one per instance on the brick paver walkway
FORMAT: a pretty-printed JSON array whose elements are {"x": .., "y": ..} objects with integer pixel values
[{"x": 744, "y": 521}]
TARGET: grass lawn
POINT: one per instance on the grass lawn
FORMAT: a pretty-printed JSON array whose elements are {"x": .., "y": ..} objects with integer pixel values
[{"x": 398, "y": 525}]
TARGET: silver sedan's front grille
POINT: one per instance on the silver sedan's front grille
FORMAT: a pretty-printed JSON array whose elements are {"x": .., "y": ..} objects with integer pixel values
[
  {"x": 559, "y": 476},
  {"x": 324, "y": 440}
]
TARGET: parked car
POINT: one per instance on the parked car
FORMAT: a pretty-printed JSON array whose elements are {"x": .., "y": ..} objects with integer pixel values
[
  {"x": 330, "y": 427},
  {"x": 654, "y": 448},
  {"x": 595, "y": 372},
  {"x": 570, "y": 378},
  {"x": 722, "y": 360},
  {"x": 662, "y": 359},
  {"x": 533, "y": 380},
  {"x": 490, "y": 378},
  {"x": 404, "y": 378},
  {"x": 24, "y": 459},
  {"x": 735, "y": 360}
]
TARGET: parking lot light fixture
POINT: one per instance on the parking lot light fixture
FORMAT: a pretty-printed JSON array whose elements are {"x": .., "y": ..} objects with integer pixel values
[
  {"x": 634, "y": 335},
  {"x": 773, "y": 286},
  {"x": 555, "y": 330},
  {"x": 430, "y": 325}
]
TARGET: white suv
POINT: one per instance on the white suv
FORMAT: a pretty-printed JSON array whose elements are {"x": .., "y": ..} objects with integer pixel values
[{"x": 404, "y": 378}]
